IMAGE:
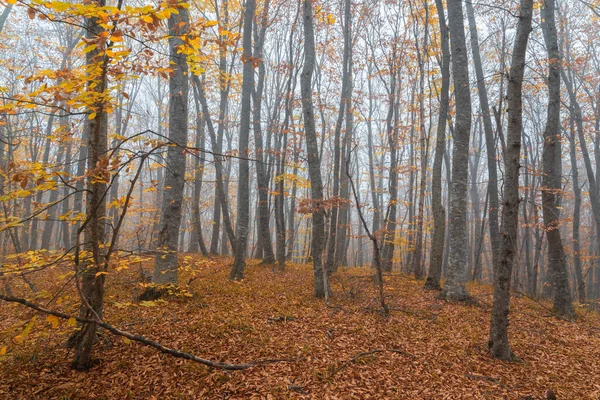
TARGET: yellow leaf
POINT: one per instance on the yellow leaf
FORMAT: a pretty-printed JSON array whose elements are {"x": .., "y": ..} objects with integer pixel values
[
  {"x": 71, "y": 322},
  {"x": 147, "y": 19},
  {"x": 92, "y": 116},
  {"x": 52, "y": 319},
  {"x": 101, "y": 273},
  {"x": 90, "y": 48},
  {"x": 19, "y": 338},
  {"x": 11, "y": 1},
  {"x": 3, "y": 351}
]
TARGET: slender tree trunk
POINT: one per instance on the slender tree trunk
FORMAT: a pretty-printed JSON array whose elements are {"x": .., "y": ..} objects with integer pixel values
[
  {"x": 92, "y": 281},
  {"x": 166, "y": 264},
  {"x": 439, "y": 213},
  {"x": 498, "y": 343},
  {"x": 455, "y": 286},
  {"x": 338, "y": 148},
  {"x": 197, "y": 240},
  {"x": 243, "y": 197},
  {"x": 219, "y": 178},
  {"x": 417, "y": 266},
  {"x": 576, "y": 210},
  {"x": 261, "y": 174},
  {"x": 312, "y": 150},
  {"x": 557, "y": 265},
  {"x": 490, "y": 144}
]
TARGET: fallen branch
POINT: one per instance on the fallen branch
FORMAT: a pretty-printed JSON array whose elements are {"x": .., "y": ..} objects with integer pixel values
[
  {"x": 368, "y": 353},
  {"x": 141, "y": 339}
]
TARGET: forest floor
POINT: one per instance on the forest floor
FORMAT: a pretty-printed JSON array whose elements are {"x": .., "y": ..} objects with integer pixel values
[{"x": 429, "y": 349}]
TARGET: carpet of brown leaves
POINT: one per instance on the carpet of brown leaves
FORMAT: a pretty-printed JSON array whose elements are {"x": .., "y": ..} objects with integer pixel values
[{"x": 439, "y": 348}]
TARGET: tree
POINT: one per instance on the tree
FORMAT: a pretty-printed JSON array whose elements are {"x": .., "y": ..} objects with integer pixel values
[
  {"x": 439, "y": 214},
  {"x": 551, "y": 155},
  {"x": 166, "y": 263},
  {"x": 455, "y": 286},
  {"x": 92, "y": 266},
  {"x": 243, "y": 197},
  {"x": 312, "y": 149},
  {"x": 498, "y": 343}
]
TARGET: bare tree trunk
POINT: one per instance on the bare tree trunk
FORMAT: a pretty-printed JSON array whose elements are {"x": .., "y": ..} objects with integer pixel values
[
  {"x": 498, "y": 344},
  {"x": 490, "y": 145},
  {"x": 338, "y": 148},
  {"x": 557, "y": 264},
  {"x": 576, "y": 210},
  {"x": 422, "y": 51},
  {"x": 312, "y": 150},
  {"x": 197, "y": 240},
  {"x": 439, "y": 213},
  {"x": 92, "y": 282},
  {"x": 261, "y": 174},
  {"x": 455, "y": 286},
  {"x": 243, "y": 201},
  {"x": 166, "y": 264}
]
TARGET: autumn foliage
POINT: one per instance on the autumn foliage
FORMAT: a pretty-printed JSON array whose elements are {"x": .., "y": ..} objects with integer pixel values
[{"x": 426, "y": 349}]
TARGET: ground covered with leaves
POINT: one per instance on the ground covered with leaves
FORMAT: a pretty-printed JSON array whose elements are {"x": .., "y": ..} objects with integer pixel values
[{"x": 426, "y": 349}]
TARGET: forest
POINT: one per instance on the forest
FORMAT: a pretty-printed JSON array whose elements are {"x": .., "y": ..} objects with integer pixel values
[{"x": 294, "y": 199}]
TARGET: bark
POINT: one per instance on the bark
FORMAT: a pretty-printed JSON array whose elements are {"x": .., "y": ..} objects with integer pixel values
[
  {"x": 417, "y": 266},
  {"x": 338, "y": 148},
  {"x": 166, "y": 264},
  {"x": 261, "y": 174},
  {"x": 387, "y": 256},
  {"x": 92, "y": 283},
  {"x": 197, "y": 241},
  {"x": 455, "y": 286},
  {"x": 220, "y": 183},
  {"x": 499, "y": 344},
  {"x": 243, "y": 192},
  {"x": 576, "y": 218},
  {"x": 217, "y": 139},
  {"x": 439, "y": 213},
  {"x": 312, "y": 150},
  {"x": 490, "y": 145},
  {"x": 557, "y": 265}
]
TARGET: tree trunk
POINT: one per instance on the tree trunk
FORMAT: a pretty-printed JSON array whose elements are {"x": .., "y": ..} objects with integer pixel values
[
  {"x": 261, "y": 174},
  {"x": 455, "y": 286},
  {"x": 312, "y": 150},
  {"x": 165, "y": 267},
  {"x": 557, "y": 265},
  {"x": 498, "y": 343},
  {"x": 197, "y": 240},
  {"x": 439, "y": 213},
  {"x": 92, "y": 283},
  {"x": 243, "y": 192},
  {"x": 490, "y": 145}
]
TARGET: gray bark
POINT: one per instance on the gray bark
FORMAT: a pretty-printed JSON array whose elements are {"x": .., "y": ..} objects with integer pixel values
[
  {"x": 455, "y": 286},
  {"x": 490, "y": 145},
  {"x": 166, "y": 264},
  {"x": 498, "y": 344},
  {"x": 243, "y": 192},
  {"x": 439, "y": 213},
  {"x": 557, "y": 265},
  {"x": 92, "y": 283},
  {"x": 312, "y": 150}
]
